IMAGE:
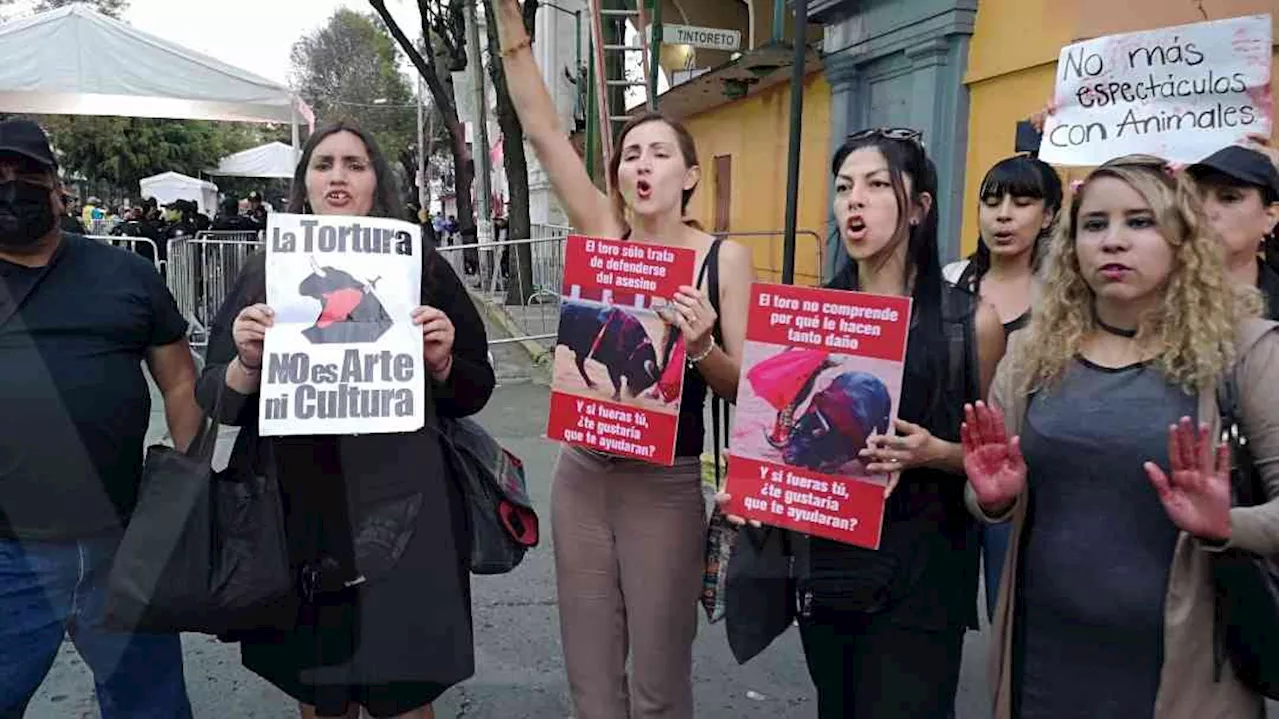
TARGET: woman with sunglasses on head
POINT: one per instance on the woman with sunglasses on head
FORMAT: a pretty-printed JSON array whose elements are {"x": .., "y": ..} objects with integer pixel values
[
  {"x": 1118, "y": 501},
  {"x": 1019, "y": 200},
  {"x": 375, "y": 525},
  {"x": 882, "y": 630},
  {"x": 629, "y": 536},
  {"x": 1238, "y": 186}
]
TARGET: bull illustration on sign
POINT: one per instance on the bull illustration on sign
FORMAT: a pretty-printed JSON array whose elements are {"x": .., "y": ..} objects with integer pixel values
[
  {"x": 350, "y": 311},
  {"x": 615, "y": 339},
  {"x": 839, "y": 417}
]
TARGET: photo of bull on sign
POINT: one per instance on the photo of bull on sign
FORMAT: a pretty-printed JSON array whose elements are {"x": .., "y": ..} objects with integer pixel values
[
  {"x": 809, "y": 408},
  {"x": 619, "y": 354}
]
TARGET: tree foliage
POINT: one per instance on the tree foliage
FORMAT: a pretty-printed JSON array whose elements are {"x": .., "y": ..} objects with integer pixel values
[
  {"x": 120, "y": 151},
  {"x": 111, "y": 8},
  {"x": 348, "y": 69},
  {"x": 443, "y": 51}
]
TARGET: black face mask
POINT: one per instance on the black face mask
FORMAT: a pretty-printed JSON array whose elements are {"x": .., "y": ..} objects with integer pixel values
[{"x": 26, "y": 214}]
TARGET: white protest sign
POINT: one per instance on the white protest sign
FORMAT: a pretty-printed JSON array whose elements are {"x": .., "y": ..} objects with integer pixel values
[
  {"x": 1180, "y": 93},
  {"x": 343, "y": 356}
]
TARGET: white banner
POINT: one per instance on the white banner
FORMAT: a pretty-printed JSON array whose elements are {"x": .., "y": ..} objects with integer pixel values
[
  {"x": 1180, "y": 93},
  {"x": 343, "y": 356}
]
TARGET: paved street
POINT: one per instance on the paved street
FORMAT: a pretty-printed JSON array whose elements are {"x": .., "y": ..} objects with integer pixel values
[{"x": 519, "y": 671}]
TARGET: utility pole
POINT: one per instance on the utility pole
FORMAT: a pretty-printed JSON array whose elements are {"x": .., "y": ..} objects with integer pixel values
[{"x": 480, "y": 147}]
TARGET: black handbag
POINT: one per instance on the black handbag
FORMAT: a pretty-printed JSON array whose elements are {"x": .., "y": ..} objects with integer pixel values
[
  {"x": 1246, "y": 612},
  {"x": 204, "y": 551},
  {"x": 501, "y": 520}
]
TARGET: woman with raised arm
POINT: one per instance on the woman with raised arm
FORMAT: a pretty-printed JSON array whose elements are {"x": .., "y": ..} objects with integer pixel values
[
  {"x": 377, "y": 530},
  {"x": 1118, "y": 501},
  {"x": 629, "y": 536}
]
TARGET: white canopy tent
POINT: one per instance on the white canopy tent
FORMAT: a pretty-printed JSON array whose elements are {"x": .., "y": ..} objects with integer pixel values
[
  {"x": 73, "y": 61},
  {"x": 274, "y": 159},
  {"x": 169, "y": 186}
]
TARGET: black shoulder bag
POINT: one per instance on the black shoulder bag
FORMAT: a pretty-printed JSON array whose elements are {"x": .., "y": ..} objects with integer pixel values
[
  {"x": 204, "y": 551},
  {"x": 1246, "y": 625}
]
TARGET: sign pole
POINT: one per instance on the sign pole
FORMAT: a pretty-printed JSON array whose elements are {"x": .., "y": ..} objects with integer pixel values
[{"x": 793, "y": 144}]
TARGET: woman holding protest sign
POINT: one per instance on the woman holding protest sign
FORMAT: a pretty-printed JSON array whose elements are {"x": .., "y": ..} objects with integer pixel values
[
  {"x": 629, "y": 536},
  {"x": 375, "y": 525},
  {"x": 1019, "y": 199},
  {"x": 1107, "y": 602},
  {"x": 883, "y": 630}
]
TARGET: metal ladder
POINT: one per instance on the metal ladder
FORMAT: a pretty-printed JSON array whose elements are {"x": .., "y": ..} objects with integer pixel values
[{"x": 602, "y": 51}]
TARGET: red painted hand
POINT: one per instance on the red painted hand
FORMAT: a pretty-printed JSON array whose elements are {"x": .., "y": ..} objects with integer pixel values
[
  {"x": 1196, "y": 493},
  {"x": 992, "y": 461}
]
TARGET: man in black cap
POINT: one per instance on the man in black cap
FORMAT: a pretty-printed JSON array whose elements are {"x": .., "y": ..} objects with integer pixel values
[
  {"x": 77, "y": 319},
  {"x": 1239, "y": 188}
]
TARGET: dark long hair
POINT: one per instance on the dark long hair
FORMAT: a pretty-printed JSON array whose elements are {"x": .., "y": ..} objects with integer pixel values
[
  {"x": 907, "y": 158},
  {"x": 1019, "y": 176},
  {"x": 386, "y": 203},
  {"x": 386, "y": 194}
]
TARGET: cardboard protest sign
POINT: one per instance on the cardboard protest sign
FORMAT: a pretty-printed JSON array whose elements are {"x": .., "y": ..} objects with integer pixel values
[
  {"x": 821, "y": 371},
  {"x": 1180, "y": 93},
  {"x": 619, "y": 366},
  {"x": 343, "y": 356}
]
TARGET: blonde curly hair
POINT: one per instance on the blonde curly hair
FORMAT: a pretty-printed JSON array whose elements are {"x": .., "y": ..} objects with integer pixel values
[{"x": 1193, "y": 327}]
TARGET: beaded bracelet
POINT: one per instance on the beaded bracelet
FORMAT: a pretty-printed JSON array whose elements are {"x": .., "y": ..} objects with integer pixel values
[{"x": 711, "y": 346}]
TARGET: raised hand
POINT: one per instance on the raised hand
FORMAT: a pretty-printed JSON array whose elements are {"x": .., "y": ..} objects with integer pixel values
[
  {"x": 1196, "y": 493},
  {"x": 992, "y": 461},
  {"x": 1039, "y": 119}
]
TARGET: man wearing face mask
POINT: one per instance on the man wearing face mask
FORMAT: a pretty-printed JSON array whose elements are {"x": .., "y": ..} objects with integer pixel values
[{"x": 77, "y": 320}]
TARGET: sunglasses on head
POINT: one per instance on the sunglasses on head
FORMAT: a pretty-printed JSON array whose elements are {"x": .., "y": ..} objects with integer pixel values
[{"x": 888, "y": 133}]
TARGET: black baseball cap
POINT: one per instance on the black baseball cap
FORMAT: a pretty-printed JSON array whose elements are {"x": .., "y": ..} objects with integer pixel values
[
  {"x": 1246, "y": 166},
  {"x": 24, "y": 137}
]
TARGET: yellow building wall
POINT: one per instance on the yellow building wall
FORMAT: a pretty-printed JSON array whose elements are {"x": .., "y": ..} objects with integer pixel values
[
  {"x": 1013, "y": 62},
  {"x": 753, "y": 132}
]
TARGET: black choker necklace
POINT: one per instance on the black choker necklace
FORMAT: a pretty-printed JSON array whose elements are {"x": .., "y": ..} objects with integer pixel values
[{"x": 1112, "y": 329}]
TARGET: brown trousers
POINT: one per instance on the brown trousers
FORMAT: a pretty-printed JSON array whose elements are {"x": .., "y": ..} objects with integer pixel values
[{"x": 628, "y": 545}]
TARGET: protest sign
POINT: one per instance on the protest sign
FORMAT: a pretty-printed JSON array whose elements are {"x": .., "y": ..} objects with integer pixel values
[
  {"x": 619, "y": 366},
  {"x": 1180, "y": 93},
  {"x": 343, "y": 356},
  {"x": 821, "y": 371}
]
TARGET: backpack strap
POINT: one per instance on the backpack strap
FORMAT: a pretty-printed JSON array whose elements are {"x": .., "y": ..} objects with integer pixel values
[{"x": 958, "y": 307}]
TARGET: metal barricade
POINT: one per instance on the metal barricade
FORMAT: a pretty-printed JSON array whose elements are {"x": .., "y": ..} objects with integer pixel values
[
  {"x": 537, "y": 316},
  {"x": 202, "y": 270},
  {"x": 144, "y": 246},
  {"x": 770, "y": 270}
]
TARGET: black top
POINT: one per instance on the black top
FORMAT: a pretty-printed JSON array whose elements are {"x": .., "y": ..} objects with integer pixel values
[
  {"x": 928, "y": 558},
  {"x": 691, "y": 430},
  {"x": 77, "y": 403},
  {"x": 1097, "y": 544},
  {"x": 332, "y": 484},
  {"x": 970, "y": 280}
]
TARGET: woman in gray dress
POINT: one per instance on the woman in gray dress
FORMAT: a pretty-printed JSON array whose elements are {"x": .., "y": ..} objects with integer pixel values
[{"x": 1117, "y": 498}]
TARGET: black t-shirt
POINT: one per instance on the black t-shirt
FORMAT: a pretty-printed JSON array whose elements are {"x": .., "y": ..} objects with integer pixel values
[
  {"x": 76, "y": 402},
  {"x": 1269, "y": 285}
]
